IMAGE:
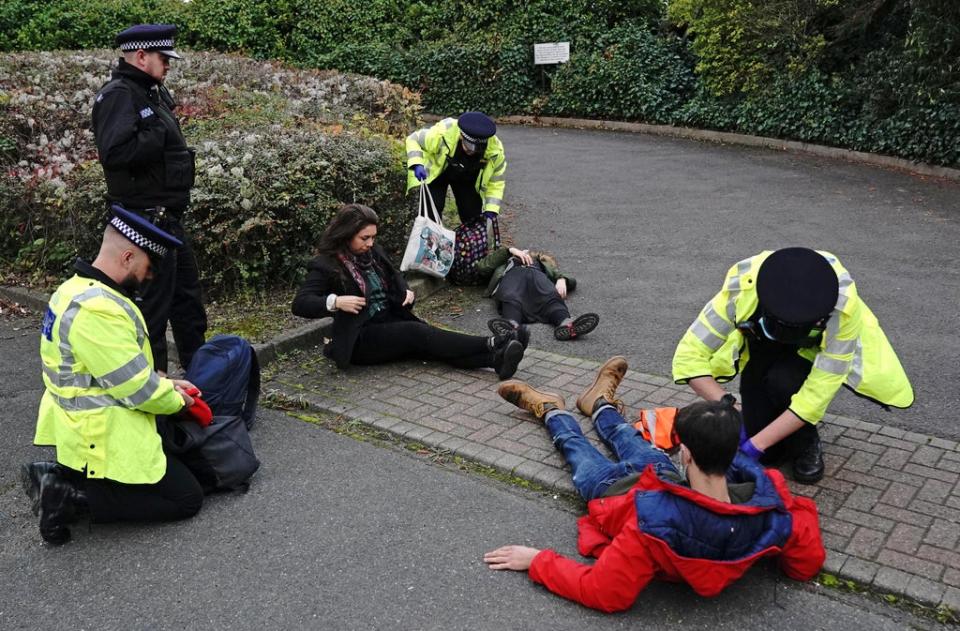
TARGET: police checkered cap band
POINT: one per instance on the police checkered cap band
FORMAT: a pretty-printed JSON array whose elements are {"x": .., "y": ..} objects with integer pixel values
[
  {"x": 138, "y": 239},
  {"x": 147, "y": 45},
  {"x": 476, "y": 141}
]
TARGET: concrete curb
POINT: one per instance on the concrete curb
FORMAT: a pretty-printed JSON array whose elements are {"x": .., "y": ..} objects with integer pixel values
[
  {"x": 306, "y": 336},
  {"x": 746, "y": 140}
]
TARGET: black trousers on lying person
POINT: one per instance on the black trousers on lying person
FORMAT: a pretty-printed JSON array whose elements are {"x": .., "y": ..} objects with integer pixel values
[
  {"x": 555, "y": 313},
  {"x": 177, "y": 495},
  {"x": 379, "y": 343},
  {"x": 773, "y": 375}
]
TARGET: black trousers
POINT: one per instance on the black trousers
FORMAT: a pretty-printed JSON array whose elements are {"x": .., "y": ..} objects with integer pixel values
[
  {"x": 469, "y": 202},
  {"x": 177, "y": 495},
  {"x": 397, "y": 340},
  {"x": 175, "y": 295},
  {"x": 770, "y": 379},
  {"x": 557, "y": 312}
]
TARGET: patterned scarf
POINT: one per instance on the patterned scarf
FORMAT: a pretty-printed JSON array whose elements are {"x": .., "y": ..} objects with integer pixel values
[{"x": 359, "y": 264}]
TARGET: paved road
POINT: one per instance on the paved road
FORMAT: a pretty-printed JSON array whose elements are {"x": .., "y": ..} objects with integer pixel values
[
  {"x": 336, "y": 534},
  {"x": 649, "y": 226}
]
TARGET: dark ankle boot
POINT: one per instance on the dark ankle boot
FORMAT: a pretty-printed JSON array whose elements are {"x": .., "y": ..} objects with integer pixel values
[
  {"x": 572, "y": 328},
  {"x": 808, "y": 466},
  {"x": 59, "y": 500},
  {"x": 507, "y": 358},
  {"x": 30, "y": 476},
  {"x": 503, "y": 328}
]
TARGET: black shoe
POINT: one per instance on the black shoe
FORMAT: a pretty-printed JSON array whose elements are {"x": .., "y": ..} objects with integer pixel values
[
  {"x": 577, "y": 327},
  {"x": 507, "y": 329},
  {"x": 30, "y": 476},
  {"x": 808, "y": 465},
  {"x": 506, "y": 359},
  {"x": 59, "y": 500}
]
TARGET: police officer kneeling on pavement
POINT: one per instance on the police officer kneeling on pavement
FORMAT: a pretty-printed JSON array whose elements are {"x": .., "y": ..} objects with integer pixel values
[
  {"x": 793, "y": 322},
  {"x": 149, "y": 170},
  {"x": 102, "y": 395}
]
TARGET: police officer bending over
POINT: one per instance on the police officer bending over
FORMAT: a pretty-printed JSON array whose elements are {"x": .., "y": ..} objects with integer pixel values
[
  {"x": 149, "y": 170},
  {"x": 102, "y": 395},
  {"x": 793, "y": 323}
]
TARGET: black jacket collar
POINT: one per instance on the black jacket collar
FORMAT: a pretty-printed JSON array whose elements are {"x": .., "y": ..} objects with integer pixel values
[
  {"x": 87, "y": 270},
  {"x": 127, "y": 71}
]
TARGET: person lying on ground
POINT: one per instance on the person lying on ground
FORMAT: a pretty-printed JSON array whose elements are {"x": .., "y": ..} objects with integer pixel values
[
  {"x": 705, "y": 523},
  {"x": 529, "y": 287},
  {"x": 353, "y": 281}
]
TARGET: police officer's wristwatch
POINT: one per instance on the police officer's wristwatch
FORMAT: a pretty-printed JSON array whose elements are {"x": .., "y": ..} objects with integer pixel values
[{"x": 729, "y": 399}]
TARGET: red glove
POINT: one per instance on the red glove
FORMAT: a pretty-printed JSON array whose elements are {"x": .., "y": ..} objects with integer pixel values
[{"x": 199, "y": 411}]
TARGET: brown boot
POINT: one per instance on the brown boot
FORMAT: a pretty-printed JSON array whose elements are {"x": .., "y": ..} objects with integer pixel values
[
  {"x": 604, "y": 386},
  {"x": 528, "y": 398}
]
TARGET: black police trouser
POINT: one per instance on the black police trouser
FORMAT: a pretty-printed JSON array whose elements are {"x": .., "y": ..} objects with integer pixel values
[
  {"x": 175, "y": 295},
  {"x": 769, "y": 381},
  {"x": 469, "y": 202},
  {"x": 177, "y": 495}
]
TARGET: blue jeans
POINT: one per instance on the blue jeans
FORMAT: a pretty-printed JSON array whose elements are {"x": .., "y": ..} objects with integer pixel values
[{"x": 593, "y": 473}]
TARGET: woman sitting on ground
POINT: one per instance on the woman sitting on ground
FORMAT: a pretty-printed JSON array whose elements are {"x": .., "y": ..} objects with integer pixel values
[
  {"x": 528, "y": 287},
  {"x": 353, "y": 281}
]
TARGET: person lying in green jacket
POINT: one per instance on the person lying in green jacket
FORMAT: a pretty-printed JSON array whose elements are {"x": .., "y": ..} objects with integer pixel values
[{"x": 529, "y": 287}]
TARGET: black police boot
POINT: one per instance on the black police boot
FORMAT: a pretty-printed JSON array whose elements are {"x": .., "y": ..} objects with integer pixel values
[
  {"x": 808, "y": 464},
  {"x": 59, "y": 501},
  {"x": 30, "y": 476},
  {"x": 506, "y": 358}
]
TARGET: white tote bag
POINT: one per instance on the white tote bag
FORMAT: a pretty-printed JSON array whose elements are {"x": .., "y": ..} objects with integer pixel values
[{"x": 430, "y": 247}]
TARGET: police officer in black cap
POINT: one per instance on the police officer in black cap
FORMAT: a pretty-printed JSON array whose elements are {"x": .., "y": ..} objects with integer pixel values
[
  {"x": 793, "y": 322},
  {"x": 149, "y": 169},
  {"x": 465, "y": 155}
]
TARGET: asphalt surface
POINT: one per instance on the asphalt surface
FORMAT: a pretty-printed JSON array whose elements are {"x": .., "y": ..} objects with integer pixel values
[
  {"x": 649, "y": 226},
  {"x": 337, "y": 534}
]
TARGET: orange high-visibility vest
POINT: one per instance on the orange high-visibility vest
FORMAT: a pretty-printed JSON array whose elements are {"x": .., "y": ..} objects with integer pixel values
[{"x": 658, "y": 427}]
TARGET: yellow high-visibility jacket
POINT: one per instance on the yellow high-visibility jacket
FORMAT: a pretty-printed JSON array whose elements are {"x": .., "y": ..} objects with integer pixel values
[
  {"x": 101, "y": 390},
  {"x": 854, "y": 350},
  {"x": 434, "y": 146}
]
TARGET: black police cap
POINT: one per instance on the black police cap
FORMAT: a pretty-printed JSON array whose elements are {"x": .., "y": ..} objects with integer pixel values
[
  {"x": 476, "y": 127},
  {"x": 143, "y": 234},
  {"x": 797, "y": 286},
  {"x": 150, "y": 37}
]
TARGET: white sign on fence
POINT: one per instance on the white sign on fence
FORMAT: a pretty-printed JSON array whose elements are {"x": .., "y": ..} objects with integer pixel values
[{"x": 554, "y": 53}]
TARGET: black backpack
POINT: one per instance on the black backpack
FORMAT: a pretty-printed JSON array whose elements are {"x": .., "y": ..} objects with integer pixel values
[{"x": 221, "y": 456}]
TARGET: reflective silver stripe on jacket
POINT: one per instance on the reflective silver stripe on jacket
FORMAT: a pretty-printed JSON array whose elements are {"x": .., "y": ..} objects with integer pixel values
[
  {"x": 414, "y": 154},
  {"x": 499, "y": 178},
  {"x": 492, "y": 200},
  {"x": 856, "y": 372},
  {"x": 714, "y": 319},
  {"x": 651, "y": 418},
  {"x": 705, "y": 335},
  {"x": 85, "y": 403},
  {"x": 843, "y": 294},
  {"x": 65, "y": 377},
  {"x": 142, "y": 395},
  {"x": 124, "y": 373},
  {"x": 831, "y": 364}
]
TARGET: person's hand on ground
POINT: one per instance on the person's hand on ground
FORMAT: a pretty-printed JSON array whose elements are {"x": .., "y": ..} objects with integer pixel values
[
  {"x": 409, "y": 299},
  {"x": 516, "y": 558},
  {"x": 350, "y": 304},
  {"x": 562, "y": 287},
  {"x": 523, "y": 255}
]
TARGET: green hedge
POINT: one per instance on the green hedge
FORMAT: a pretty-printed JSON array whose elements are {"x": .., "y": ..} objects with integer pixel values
[
  {"x": 825, "y": 72},
  {"x": 278, "y": 150}
]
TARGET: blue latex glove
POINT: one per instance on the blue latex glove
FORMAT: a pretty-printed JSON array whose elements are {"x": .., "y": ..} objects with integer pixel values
[
  {"x": 750, "y": 450},
  {"x": 419, "y": 172},
  {"x": 489, "y": 214}
]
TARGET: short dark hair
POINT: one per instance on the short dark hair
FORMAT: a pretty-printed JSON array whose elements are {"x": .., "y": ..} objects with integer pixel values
[
  {"x": 711, "y": 431},
  {"x": 349, "y": 220}
]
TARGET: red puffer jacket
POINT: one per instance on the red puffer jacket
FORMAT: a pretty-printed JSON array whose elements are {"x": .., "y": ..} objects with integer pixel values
[{"x": 629, "y": 555}]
